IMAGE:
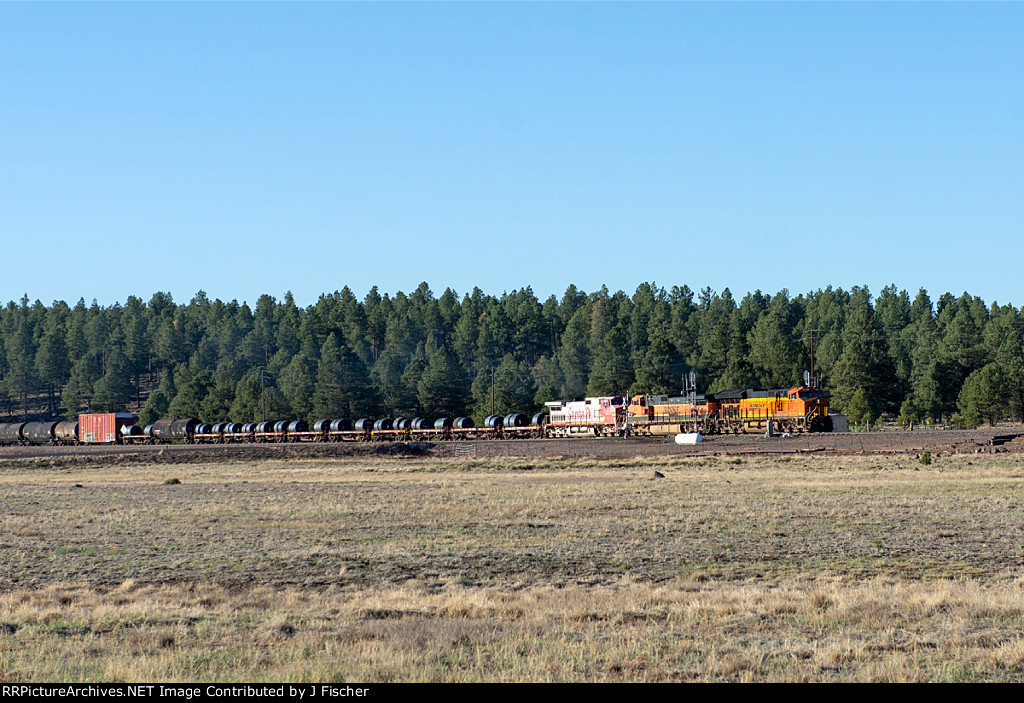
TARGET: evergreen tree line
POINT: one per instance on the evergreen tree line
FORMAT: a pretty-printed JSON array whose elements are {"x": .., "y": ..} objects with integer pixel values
[{"x": 420, "y": 355}]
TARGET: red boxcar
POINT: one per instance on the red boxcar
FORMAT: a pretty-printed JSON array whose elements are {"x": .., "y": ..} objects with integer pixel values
[{"x": 103, "y": 428}]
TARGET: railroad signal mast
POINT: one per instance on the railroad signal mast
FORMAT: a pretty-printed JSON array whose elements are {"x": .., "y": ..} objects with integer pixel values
[
  {"x": 690, "y": 390},
  {"x": 809, "y": 379}
]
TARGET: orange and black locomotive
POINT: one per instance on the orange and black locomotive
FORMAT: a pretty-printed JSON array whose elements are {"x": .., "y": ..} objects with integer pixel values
[{"x": 741, "y": 411}]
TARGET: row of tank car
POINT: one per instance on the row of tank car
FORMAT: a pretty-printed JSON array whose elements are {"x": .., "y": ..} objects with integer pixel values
[
  {"x": 89, "y": 428},
  {"x": 12, "y": 433},
  {"x": 120, "y": 428}
]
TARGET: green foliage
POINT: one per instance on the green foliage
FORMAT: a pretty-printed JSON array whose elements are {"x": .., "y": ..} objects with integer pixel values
[
  {"x": 53, "y": 363},
  {"x": 548, "y": 377},
  {"x": 926, "y": 458},
  {"x": 714, "y": 334},
  {"x": 342, "y": 385},
  {"x": 392, "y": 394},
  {"x": 574, "y": 354},
  {"x": 155, "y": 408},
  {"x": 775, "y": 354},
  {"x": 188, "y": 401},
  {"x": 612, "y": 373},
  {"x": 660, "y": 371},
  {"x": 441, "y": 390},
  {"x": 255, "y": 402},
  {"x": 79, "y": 389},
  {"x": 985, "y": 396},
  {"x": 20, "y": 378},
  {"x": 513, "y": 389},
  {"x": 417, "y": 354},
  {"x": 910, "y": 411},
  {"x": 114, "y": 389},
  {"x": 159, "y": 401},
  {"x": 859, "y": 409},
  {"x": 298, "y": 383},
  {"x": 864, "y": 379},
  {"x": 216, "y": 406}
]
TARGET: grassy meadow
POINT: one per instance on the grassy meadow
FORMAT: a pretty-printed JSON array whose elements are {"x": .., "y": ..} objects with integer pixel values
[{"x": 815, "y": 568}]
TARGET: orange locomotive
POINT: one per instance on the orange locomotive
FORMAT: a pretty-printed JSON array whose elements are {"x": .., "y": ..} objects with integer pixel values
[
  {"x": 801, "y": 409},
  {"x": 664, "y": 414}
]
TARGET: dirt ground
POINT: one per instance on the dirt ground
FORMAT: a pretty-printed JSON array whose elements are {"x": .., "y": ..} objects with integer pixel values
[
  {"x": 493, "y": 522},
  {"x": 937, "y": 442},
  {"x": 642, "y": 562}
]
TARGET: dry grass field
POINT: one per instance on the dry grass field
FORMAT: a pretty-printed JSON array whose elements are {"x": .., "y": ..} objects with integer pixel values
[{"x": 554, "y": 569}]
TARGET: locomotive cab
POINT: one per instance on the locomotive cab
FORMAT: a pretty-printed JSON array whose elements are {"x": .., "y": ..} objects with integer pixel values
[
  {"x": 639, "y": 408},
  {"x": 804, "y": 393},
  {"x": 813, "y": 405}
]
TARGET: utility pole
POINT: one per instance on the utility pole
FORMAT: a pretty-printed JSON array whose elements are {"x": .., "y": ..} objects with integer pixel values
[
  {"x": 492, "y": 390},
  {"x": 263, "y": 391}
]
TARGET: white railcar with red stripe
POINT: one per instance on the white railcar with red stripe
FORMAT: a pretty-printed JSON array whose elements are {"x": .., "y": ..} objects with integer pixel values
[{"x": 599, "y": 417}]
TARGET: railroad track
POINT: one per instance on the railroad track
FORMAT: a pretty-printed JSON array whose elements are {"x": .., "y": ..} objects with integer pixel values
[{"x": 935, "y": 441}]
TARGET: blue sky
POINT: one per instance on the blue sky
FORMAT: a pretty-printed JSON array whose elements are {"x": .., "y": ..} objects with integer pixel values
[{"x": 259, "y": 148}]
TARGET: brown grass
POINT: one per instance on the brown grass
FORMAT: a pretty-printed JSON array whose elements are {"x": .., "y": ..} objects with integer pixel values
[{"x": 836, "y": 569}]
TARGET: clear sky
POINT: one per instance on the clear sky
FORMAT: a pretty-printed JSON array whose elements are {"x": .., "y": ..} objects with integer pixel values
[{"x": 258, "y": 148}]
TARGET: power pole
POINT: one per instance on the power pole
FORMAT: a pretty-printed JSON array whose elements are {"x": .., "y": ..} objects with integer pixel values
[{"x": 263, "y": 392}]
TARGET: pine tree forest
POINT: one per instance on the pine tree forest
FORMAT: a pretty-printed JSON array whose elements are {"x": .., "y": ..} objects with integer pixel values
[{"x": 419, "y": 354}]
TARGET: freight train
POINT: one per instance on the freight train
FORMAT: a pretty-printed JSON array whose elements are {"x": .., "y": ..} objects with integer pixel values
[{"x": 801, "y": 409}]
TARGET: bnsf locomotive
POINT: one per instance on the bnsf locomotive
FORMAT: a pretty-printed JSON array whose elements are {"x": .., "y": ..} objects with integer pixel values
[{"x": 802, "y": 409}]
